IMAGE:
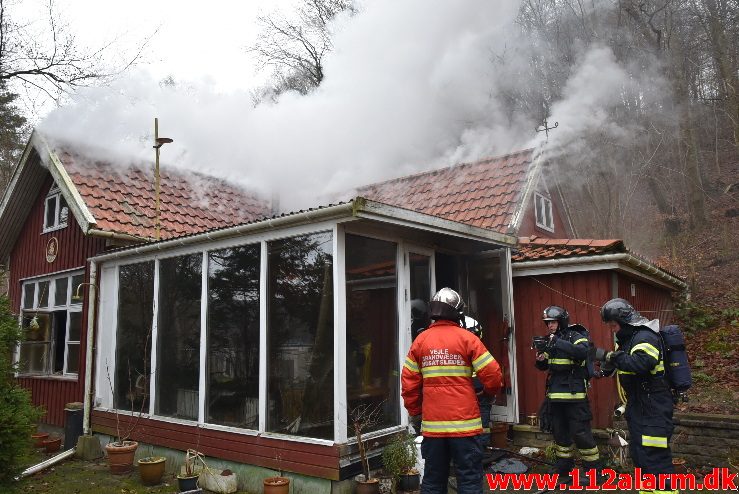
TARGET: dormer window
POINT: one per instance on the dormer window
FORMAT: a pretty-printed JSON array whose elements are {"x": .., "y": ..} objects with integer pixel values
[
  {"x": 56, "y": 210},
  {"x": 544, "y": 217}
]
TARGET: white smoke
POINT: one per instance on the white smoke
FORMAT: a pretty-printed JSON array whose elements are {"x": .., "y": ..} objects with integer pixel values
[{"x": 410, "y": 86}]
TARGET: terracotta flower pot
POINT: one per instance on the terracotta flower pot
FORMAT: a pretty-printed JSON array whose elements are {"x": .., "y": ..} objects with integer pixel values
[
  {"x": 371, "y": 486},
  {"x": 151, "y": 469},
  {"x": 120, "y": 457},
  {"x": 52, "y": 444},
  {"x": 39, "y": 438},
  {"x": 276, "y": 485}
]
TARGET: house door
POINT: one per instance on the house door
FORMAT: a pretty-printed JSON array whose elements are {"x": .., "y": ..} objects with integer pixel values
[{"x": 491, "y": 303}]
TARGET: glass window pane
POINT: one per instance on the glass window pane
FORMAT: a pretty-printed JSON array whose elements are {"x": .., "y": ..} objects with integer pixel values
[
  {"x": 73, "y": 358},
  {"x": 63, "y": 211},
  {"x": 133, "y": 336},
  {"x": 59, "y": 324},
  {"x": 28, "y": 292},
  {"x": 33, "y": 358},
  {"x": 233, "y": 337},
  {"x": 537, "y": 203},
  {"x": 372, "y": 367},
  {"x": 548, "y": 215},
  {"x": 50, "y": 218},
  {"x": 77, "y": 280},
  {"x": 300, "y": 333},
  {"x": 36, "y": 327},
  {"x": 178, "y": 340},
  {"x": 43, "y": 298},
  {"x": 75, "y": 326},
  {"x": 61, "y": 285}
]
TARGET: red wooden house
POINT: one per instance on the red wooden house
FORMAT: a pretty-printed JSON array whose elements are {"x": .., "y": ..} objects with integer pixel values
[{"x": 256, "y": 336}]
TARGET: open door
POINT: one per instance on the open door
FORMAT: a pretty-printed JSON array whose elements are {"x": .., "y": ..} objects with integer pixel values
[{"x": 491, "y": 303}]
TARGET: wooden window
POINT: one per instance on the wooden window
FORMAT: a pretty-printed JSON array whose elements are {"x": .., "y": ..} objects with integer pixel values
[
  {"x": 52, "y": 325},
  {"x": 56, "y": 210},
  {"x": 544, "y": 214}
]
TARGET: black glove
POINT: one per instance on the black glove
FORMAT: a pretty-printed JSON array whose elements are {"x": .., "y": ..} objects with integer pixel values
[
  {"x": 612, "y": 356},
  {"x": 599, "y": 354}
]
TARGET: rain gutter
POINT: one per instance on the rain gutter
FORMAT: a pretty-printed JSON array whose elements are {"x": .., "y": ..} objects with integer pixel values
[
  {"x": 89, "y": 349},
  {"x": 46, "y": 463},
  {"x": 629, "y": 259}
]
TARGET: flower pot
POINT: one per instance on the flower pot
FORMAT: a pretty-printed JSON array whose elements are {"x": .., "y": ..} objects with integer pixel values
[
  {"x": 39, "y": 438},
  {"x": 371, "y": 486},
  {"x": 409, "y": 481},
  {"x": 52, "y": 444},
  {"x": 120, "y": 456},
  {"x": 151, "y": 469},
  {"x": 276, "y": 485},
  {"x": 187, "y": 483},
  {"x": 499, "y": 435}
]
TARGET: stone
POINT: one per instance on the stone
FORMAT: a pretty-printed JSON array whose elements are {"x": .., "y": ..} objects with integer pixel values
[{"x": 88, "y": 448}]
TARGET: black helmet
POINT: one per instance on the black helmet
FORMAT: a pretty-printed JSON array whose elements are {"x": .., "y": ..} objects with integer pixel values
[
  {"x": 620, "y": 311},
  {"x": 446, "y": 305},
  {"x": 557, "y": 313}
]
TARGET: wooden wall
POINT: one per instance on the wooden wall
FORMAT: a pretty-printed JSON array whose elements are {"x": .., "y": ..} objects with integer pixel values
[{"x": 28, "y": 259}]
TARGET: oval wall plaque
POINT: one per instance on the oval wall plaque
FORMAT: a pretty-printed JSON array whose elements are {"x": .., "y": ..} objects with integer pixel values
[{"x": 52, "y": 249}]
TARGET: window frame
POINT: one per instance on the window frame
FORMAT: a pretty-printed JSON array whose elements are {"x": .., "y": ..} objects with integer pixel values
[
  {"x": 60, "y": 220},
  {"x": 544, "y": 204},
  {"x": 68, "y": 307}
]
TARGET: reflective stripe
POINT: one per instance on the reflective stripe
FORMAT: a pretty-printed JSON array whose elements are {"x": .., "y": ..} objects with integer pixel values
[
  {"x": 470, "y": 425},
  {"x": 562, "y": 454},
  {"x": 660, "y": 367},
  {"x": 560, "y": 361},
  {"x": 563, "y": 448},
  {"x": 580, "y": 341},
  {"x": 446, "y": 371},
  {"x": 410, "y": 365},
  {"x": 486, "y": 430},
  {"x": 482, "y": 361},
  {"x": 626, "y": 372},
  {"x": 647, "y": 348},
  {"x": 566, "y": 396},
  {"x": 654, "y": 441},
  {"x": 591, "y": 454}
]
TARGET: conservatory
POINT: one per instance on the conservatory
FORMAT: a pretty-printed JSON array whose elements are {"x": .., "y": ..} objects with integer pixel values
[{"x": 255, "y": 343}]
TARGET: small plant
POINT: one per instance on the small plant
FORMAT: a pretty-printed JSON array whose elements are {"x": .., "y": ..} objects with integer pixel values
[
  {"x": 399, "y": 456},
  {"x": 363, "y": 417}
]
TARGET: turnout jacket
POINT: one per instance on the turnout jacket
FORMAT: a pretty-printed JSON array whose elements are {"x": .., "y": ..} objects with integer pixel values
[
  {"x": 437, "y": 380},
  {"x": 566, "y": 362}
]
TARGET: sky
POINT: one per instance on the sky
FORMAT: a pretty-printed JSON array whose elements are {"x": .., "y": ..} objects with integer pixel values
[{"x": 408, "y": 88}]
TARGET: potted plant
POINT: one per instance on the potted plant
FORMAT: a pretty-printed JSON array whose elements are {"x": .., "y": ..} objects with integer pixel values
[
  {"x": 187, "y": 480},
  {"x": 121, "y": 450},
  {"x": 52, "y": 443},
  {"x": 363, "y": 417},
  {"x": 39, "y": 438},
  {"x": 278, "y": 484},
  {"x": 151, "y": 469},
  {"x": 399, "y": 460}
]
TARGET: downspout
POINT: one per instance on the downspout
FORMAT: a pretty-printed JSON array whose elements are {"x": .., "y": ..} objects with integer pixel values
[{"x": 91, "y": 301}]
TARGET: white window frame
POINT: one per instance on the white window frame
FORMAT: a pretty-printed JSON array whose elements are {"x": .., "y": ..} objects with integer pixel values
[
  {"x": 68, "y": 305},
  {"x": 544, "y": 204},
  {"x": 61, "y": 214}
]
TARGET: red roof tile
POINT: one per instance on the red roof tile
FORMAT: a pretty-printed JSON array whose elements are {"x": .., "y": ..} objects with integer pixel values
[
  {"x": 483, "y": 194},
  {"x": 122, "y": 199},
  {"x": 532, "y": 249}
]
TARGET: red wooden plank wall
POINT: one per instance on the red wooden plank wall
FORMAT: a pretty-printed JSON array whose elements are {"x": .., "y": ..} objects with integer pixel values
[
  {"x": 308, "y": 459},
  {"x": 531, "y": 295},
  {"x": 28, "y": 259}
]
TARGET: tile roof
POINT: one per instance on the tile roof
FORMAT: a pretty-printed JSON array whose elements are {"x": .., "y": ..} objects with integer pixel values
[
  {"x": 537, "y": 249},
  {"x": 485, "y": 194},
  {"x": 122, "y": 199}
]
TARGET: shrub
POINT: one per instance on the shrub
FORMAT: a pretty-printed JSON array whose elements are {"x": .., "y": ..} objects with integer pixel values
[
  {"x": 17, "y": 415},
  {"x": 399, "y": 456}
]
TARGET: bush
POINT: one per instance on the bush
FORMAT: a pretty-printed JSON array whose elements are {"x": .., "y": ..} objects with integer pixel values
[
  {"x": 17, "y": 415},
  {"x": 399, "y": 456}
]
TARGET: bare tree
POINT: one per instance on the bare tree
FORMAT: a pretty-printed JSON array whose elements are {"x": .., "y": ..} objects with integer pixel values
[
  {"x": 49, "y": 59},
  {"x": 295, "y": 46}
]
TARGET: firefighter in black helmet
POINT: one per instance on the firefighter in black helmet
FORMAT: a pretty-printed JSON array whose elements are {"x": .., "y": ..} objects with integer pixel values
[
  {"x": 639, "y": 363},
  {"x": 565, "y": 358}
]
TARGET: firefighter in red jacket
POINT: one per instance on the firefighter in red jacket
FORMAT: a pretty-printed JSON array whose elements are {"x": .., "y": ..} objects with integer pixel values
[{"x": 437, "y": 384}]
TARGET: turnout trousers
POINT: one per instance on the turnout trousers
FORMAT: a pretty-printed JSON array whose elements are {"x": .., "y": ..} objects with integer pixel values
[
  {"x": 571, "y": 423},
  {"x": 466, "y": 452}
]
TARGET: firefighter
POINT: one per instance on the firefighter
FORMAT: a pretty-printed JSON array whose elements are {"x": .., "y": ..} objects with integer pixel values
[
  {"x": 437, "y": 384},
  {"x": 565, "y": 359},
  {"x": 639, "y": 363},
  {"x": 483, "y": 400}
]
